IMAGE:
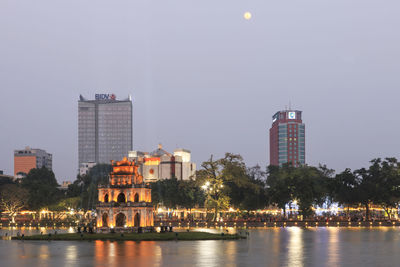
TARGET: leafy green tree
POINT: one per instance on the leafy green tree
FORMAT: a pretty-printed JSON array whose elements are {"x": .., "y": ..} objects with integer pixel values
[
  {"x": 5, "y": 181},
  {"x": 242, "y": 189},
  {"x": 212, "y": 178},
  {"x": 42, "y": 187},
  {"x": 280, "y": 186},
  {"x": 385, "y": 177},
  {"x": 254, "y": 194},
  {"x": 170, "y": 192},
  {"x": 306, "y": 185},
  {"x": 379, "y": 185},
  {"x": 311, "y": 188},
  {"x": 86, "y": 186},
  {"x": 366, "y": 189},
  {"x": 190, "y": 194},
  {"x": 173, "y": 193},
  {"x": 64, "y": 207},
  {"x": 344, "y": 187}
]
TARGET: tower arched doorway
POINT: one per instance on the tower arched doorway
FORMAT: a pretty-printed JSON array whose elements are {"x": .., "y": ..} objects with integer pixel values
[
  {"x": 136, "y": 221},
  {"x": 106, "y": 198},
  {"x": 105, "y": 219},
  {"x": 120, "y": 220},
  {"x": 136, "y": 198},
  {"x": 121, "y": 198}
]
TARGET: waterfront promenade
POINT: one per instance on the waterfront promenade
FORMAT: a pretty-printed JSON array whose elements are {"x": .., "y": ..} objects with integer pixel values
[
  {"x": 253, "y": 224},
  {"x": 230, "y": 224}
]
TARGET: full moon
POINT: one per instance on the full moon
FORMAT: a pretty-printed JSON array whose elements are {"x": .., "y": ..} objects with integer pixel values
[{"x": 247, "y": 15}]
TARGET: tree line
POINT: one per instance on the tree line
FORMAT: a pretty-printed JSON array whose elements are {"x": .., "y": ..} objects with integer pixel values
[
  {"x": 221, "y": 184},
  {"x": 227, "y": 182}
]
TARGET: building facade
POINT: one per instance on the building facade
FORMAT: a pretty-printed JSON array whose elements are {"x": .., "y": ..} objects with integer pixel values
[
  {"x": 125, "y": 203},
  {"x": 104, "y": 128},
  {"x": 287, "y": 138},
  {"x": 85, "y": 167},
  {"x": 31, "y": 158},
  {"x": 161, "y": 164}
]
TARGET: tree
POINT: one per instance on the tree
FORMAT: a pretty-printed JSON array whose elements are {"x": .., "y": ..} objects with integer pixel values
[
  {"x": 64, "y": 206},
  {"x": 240, "y": 187},
  {"x": 190, "y": 194},
  {"x": 170, "y": 192},
  {"x": 42, "y": 187},
  {"x": 384, "y": 175},
  {"x": 13, "y": 199},
  {"x": 307, "y": 185},
  {"x": 173, "y": 193},
  {"x": 254, "y": 195},
  {"x": 311, "y": 189},
  {"x": 212, "y": 177},
  {"x": 366, "y": 189},
  {"x": 280, "y": 187},
  {"x": 345, "y": 188},
  {"x": 86, "y": 186}
]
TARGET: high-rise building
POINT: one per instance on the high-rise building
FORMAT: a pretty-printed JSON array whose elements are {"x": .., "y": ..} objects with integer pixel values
[
  {"x": 287, "y": 138},
  {"x": 104, "y": 128},
  {"x": 31, "y": 158}
]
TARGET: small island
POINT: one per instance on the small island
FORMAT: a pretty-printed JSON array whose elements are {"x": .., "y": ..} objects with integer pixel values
[{"x": 170, "y": 236}]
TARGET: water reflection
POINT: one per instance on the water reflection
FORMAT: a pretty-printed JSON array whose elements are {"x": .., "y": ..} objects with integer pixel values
[
  {"x": 333, "y": 246},
  {"x": 110, "y": 254},
  {"x": 44, "y": 255},
  {"x": 291, "y": 246},
  {"x": 295, "y": 247},
  {"x": 71, "y": 255},
  {"x": 206, "y": 253}
]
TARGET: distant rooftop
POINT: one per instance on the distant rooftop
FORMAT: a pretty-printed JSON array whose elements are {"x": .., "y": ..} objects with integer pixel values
[{"x": 104, "y": 98}]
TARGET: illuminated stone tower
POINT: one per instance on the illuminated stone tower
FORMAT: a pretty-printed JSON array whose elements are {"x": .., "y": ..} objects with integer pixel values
[{"x": 125, "y": 203}]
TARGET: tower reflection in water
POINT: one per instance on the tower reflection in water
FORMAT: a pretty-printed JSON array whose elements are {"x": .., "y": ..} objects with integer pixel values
[{"x": 125, "y": 253}]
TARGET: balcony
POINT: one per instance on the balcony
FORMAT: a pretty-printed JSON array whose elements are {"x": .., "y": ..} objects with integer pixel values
[
  {"x": 114, "y": 204},
  {"x": 124, "y": 186}
]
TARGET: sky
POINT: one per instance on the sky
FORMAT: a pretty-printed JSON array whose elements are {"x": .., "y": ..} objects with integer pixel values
[{"x": 202, "y": 77}]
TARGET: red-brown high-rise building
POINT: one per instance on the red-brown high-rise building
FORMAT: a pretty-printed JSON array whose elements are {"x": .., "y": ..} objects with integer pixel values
[{"x": 287, "y": 138}]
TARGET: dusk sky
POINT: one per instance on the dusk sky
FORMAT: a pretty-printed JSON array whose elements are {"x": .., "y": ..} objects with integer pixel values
[{"x": 202, "y": 77}]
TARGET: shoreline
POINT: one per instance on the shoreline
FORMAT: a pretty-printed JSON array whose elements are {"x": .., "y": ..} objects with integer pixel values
[
  {"x": 170, "y": 236},
  {"x": 244, "y": 224},
  {"x": 239, "y": 224}
]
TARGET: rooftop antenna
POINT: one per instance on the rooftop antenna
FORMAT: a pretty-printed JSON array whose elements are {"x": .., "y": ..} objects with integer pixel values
[{"x": 290, "y": 105}]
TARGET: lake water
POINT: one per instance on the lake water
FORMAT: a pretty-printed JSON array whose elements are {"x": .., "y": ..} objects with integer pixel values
[{"x": 265, "y": 247}]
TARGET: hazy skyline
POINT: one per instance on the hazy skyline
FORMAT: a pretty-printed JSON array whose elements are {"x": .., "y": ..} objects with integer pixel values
[{"x": 202, "y": 77}]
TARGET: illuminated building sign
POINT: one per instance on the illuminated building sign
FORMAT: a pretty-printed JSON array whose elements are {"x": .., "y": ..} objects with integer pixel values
[
  {"x": 275, "y": 117},
  {"x": 105, "y": 97},
  {"x": 291, "y": 115},
  {"x": 152, "y": 161}
]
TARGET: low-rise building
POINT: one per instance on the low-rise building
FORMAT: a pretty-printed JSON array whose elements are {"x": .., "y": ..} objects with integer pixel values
[
  {"x": 85, "y": 167},
  {"x": 31, "y": 158},
  {"x": 161, "y": 164},
  {"x": 64, "y": 185}
]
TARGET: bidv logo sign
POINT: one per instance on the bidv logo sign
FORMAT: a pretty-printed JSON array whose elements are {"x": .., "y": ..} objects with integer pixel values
[{"x": 105, "y": 97}]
